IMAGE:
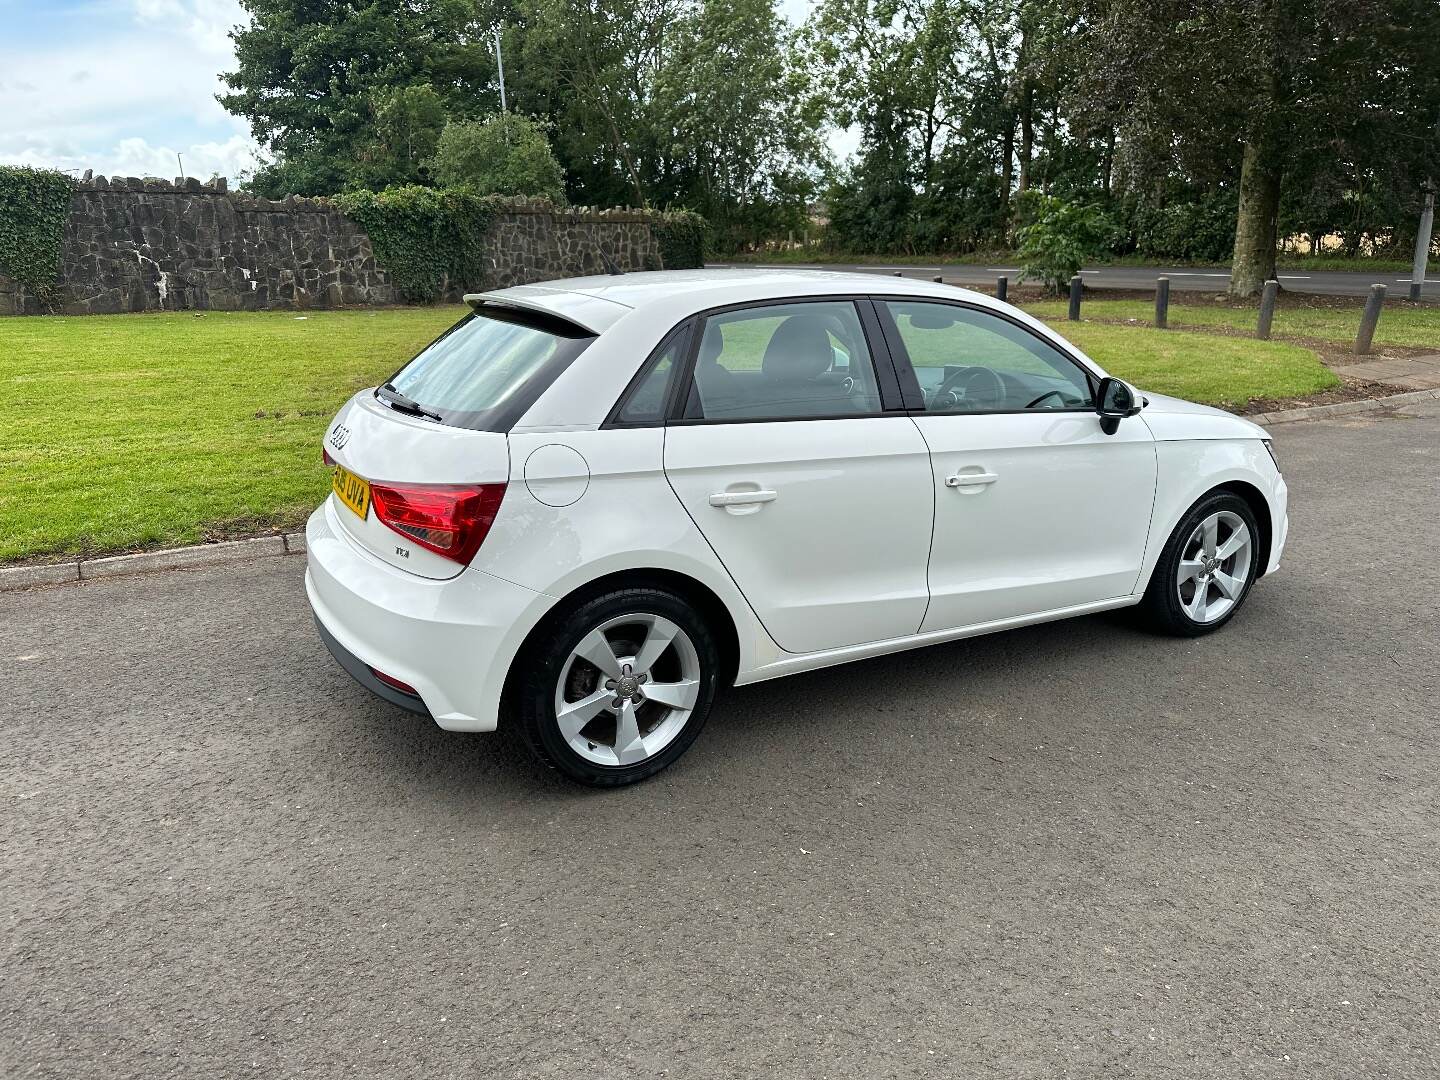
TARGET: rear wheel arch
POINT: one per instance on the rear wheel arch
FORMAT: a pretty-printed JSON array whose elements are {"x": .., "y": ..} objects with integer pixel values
[{"x": 706, "y": 602}]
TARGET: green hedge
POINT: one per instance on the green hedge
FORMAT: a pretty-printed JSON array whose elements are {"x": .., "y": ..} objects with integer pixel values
[
  {"x": 34, "y": 204},
  {"x": 425, "y": 239},
  {"x": 681, "y": 235}
]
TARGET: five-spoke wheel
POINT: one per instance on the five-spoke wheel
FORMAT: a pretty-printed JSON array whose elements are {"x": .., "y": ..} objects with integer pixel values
[
  {"x": 1206, "y": 568},
  {"x": 618, "y": 686}
]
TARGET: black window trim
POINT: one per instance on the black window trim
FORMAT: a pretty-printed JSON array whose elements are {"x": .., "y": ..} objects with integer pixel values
[
  {"x": 910, "y": 383},
  {"x": 886, "y": 381},
  {"x": 673, "y": 387}
]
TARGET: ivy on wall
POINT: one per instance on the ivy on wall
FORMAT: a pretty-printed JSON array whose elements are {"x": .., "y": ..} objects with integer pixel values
[
  {"x": 681, "y": 237},
  {"x": 425, "y": 239},
  {"x": 34, "y": 204},
  {"x": 429, "y": 240}
]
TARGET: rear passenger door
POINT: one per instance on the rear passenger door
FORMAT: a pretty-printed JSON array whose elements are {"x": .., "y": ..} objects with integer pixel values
[{"x": 795, "y": 460}]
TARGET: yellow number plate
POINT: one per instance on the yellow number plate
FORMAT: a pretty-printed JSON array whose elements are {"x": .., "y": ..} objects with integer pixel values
[{"x": 352, "y": 491}]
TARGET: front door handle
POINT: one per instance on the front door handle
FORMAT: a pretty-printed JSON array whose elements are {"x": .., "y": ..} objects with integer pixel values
[
  {"x": 978, "y": 479},
  {"x": 741, "y": 498}
]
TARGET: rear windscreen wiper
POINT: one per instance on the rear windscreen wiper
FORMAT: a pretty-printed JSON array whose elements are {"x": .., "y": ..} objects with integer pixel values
[{"x": 399, "y": 401}]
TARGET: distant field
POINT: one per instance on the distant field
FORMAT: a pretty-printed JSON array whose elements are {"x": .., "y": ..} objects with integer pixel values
[
  {"x": 136, "y": 430},
  {"x": 1400, "y": 324}
]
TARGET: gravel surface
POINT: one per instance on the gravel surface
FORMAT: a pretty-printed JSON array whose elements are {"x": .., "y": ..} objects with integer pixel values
[{"x": 1074, "y": 850}]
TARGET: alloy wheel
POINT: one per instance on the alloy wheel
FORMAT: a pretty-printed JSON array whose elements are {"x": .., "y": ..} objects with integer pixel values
[
  {"x": 1214, "y": 567},
  {"x": 627, "y": 689}
]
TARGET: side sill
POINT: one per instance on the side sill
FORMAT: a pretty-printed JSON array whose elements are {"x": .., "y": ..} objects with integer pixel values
[{"x": 793, "y": 665}]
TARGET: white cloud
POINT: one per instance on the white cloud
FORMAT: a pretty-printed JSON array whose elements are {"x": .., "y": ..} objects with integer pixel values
[{"x": 121, "y": 85}]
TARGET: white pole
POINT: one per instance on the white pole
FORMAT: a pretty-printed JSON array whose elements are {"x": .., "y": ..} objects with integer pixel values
[
  {"x": 1422, "y": 242},
  {"x": 500, "y": 64}
]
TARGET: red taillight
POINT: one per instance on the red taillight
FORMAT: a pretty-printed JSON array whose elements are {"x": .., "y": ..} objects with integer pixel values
[
  {"x": 390, "y": 680},
  {"x": 448, "y": 519},
  {"x": 325, "y": 456}
]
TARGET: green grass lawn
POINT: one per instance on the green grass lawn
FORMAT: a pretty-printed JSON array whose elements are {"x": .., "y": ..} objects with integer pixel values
[
  {"x": 130, "y": 430},
  {"x": 137, "y": 430},
  {"x": 1206, "y": 368},
  {"x": 1399, "y": 324}
]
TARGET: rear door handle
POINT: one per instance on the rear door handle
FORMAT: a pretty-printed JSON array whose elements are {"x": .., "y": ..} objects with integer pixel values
[
  {"x": 741, "y": 498},
  {"x": 976, "y": 479}
]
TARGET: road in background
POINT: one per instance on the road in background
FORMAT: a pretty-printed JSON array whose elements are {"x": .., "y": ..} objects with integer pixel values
[
  {"x": 1072, "y": 850},
  {"x": 1191, "y": 279}
]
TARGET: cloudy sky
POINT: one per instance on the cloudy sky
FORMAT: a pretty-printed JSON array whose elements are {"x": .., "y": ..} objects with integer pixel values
[{"x": 121, "y": 86}]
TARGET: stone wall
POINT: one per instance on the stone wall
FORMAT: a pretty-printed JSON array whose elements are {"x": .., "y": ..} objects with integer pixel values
[{"x": 153, "y": 245}]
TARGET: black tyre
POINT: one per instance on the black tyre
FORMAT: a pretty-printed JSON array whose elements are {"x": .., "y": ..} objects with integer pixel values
[
  {"x": 1207, "y": 568},
  {"x": 615, "y": 688}
]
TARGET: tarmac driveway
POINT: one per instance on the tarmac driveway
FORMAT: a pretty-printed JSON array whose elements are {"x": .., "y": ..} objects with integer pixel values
[{"x": 1074, "y": 850}]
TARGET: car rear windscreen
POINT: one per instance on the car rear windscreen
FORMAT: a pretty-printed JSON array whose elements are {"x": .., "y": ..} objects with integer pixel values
[{"x": 486, "y": 370}]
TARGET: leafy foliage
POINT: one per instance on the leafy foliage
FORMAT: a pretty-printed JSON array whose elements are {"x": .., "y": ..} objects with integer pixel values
[
  {"x": 35, "y": 204},
  {"x": 323, "y": 87},
  {"x": 1058, "y": 237},
  {"x": 1200, "y": 229},
  {"x": 505, "y": 154},
  {"x": 428, "y": 241},
  {"x": 681, "y": 235}
]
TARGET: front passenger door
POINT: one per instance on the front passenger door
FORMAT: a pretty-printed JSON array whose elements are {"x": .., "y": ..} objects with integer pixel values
[{"x": 1036, "y": 508}]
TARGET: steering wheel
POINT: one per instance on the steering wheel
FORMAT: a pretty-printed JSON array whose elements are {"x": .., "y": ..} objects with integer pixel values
[
  {"x": 961, "y": 389},
  {"x": 1042, "y": 397}
]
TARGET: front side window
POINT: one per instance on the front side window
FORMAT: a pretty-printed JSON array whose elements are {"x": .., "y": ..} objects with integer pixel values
[
  {"x": 783, "y": 362},
  {"x": 490, "y": 367},
  {"x": 971, "y": 361}
]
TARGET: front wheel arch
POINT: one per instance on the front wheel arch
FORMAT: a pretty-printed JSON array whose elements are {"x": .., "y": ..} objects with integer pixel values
[{"x": 1259, "y": 506}]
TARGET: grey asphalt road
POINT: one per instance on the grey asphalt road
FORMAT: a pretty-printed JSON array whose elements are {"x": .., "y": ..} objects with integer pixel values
[
  {"x": 1188, "y": 278},
  {"x": 1073, "y": 850}
]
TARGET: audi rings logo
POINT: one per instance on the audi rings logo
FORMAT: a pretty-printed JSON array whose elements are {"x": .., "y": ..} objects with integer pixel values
[{"x": 339, "y": 437}]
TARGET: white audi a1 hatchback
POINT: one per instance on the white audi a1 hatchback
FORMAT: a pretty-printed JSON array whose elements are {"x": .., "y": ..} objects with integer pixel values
[{"x": 593, "y": 503}]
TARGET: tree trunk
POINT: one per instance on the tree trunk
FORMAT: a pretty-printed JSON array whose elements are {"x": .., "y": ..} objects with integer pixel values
[
  {"x": 1027, "y": 136},
  {"x": 1007, "y": 173},
  {"x": 1257, "y": 220}
]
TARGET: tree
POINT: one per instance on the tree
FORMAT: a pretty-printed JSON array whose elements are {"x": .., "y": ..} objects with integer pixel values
[
  {"x": 740, "y": 121},
  {"x": 506, "y": 154},
  {"x": 315, "y": 78},
  {"x": 1260, "y": 89}
]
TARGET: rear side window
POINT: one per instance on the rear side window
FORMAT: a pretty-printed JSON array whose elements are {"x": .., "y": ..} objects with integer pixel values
[
  {"x": 784, "y": 362},
  {"x": 486, "y": 370}
]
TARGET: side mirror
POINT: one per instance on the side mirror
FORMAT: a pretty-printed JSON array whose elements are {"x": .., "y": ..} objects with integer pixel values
[{"x": 1114, "y": 401}]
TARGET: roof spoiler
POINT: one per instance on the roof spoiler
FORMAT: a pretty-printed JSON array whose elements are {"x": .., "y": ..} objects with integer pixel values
[{"x": 477, "y": 301}]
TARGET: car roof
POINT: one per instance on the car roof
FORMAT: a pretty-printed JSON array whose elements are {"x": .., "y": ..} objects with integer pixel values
[{"x": 597, "y": 303}]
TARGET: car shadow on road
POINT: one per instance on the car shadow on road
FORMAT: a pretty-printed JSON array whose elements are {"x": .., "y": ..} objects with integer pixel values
[{"x": 955, "y": 684}]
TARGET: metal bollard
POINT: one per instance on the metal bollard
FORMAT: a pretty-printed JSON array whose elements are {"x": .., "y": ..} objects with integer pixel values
[
  {"x": 1162, "y": 303},
  {"x": 1076, "y": 287},
  {"x": 1002, "y": 288},
  {"x": 1369, "y": 319},
  {"x": 1267, "y": 309}
]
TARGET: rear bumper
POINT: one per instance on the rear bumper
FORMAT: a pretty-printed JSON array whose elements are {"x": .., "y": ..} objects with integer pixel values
[
  {"x": 361, "y": 673},
  {"x": 452, "y": 640}
]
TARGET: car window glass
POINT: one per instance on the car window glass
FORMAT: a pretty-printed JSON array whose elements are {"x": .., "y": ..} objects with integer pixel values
[
  {"x": 782, "y": 362},
  {"x": 646, "y": 403},
  {"x": 973, "y": 361}
]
